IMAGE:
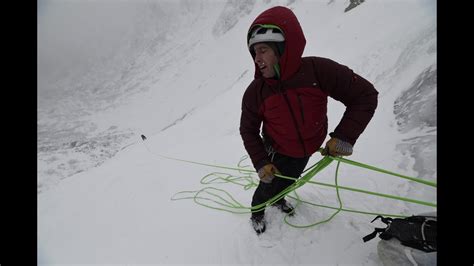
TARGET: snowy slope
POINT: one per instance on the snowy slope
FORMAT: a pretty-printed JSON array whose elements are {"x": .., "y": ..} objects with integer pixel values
[{"x": 184, "y": 94}]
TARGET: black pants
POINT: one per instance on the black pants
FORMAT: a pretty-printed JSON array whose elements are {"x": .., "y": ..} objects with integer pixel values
[{"x": 288, "y": 166}]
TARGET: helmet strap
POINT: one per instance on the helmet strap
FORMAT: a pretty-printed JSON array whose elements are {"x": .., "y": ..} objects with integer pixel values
[{"x": 276, "y": 67}]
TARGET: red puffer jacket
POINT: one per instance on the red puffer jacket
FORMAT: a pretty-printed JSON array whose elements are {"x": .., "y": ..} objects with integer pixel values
[{"x": 293, "y": 108}]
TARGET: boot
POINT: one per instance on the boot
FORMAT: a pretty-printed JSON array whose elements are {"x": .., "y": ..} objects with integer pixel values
[
  {"x": 285, "y": 207},
  {"x": 258, "y": 223}
]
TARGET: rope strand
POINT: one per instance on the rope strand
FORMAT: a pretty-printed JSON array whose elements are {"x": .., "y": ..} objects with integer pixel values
[{"x": 220, "y": 199}]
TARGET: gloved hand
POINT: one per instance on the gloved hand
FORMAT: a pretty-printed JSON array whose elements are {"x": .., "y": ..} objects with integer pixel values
[
  {"x": 266, "y": 173},
  {"x": 337, "y": 147}
]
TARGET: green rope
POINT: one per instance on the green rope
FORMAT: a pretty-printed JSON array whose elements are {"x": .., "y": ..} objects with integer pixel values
[
  {"x": 227, "y": 203},
  {"x": 330, "y": 217},
  {"x": 363, "y": 191},
  {"x": 376, "y": 194},
  {"x": 219, "y": 199},
  {"x": 345, "y": 210},
  {"x": 418, "y": 180}
]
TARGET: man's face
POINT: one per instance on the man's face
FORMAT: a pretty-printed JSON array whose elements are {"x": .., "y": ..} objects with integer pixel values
[{"x": 265, "y": 58}]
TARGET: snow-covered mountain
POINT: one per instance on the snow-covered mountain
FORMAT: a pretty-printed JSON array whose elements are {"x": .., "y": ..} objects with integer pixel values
[{"x": 175, "y": 71}]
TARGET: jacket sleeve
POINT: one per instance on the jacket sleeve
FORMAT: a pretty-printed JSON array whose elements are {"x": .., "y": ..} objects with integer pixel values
[
  {"x": 250, "y": 123},
  {"x": 356, "y": 93}
]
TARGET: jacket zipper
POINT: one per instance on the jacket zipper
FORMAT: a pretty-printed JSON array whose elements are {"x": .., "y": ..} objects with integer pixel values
[
  {"x": 300, "y": 102},
  {"x": 296, "y": 123}
]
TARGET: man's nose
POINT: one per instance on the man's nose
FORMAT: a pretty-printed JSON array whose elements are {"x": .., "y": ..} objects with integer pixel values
[{"x": 258, "y": 59}]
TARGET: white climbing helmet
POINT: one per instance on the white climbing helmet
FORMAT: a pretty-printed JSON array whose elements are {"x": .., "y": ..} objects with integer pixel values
[{"x": 265, "y": 33}]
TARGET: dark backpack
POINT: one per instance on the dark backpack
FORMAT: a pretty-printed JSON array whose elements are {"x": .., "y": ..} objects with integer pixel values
[{"x": 415, "y": 231}]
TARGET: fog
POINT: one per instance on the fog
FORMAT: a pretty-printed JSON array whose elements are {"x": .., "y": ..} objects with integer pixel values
[
  {"x": 175, "y": 72},
  {"x": 77, "y": 37},
  {"x": 74, "y": 35}
]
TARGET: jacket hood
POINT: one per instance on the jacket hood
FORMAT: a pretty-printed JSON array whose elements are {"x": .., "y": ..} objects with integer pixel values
[{"x": 295, "y": 41}]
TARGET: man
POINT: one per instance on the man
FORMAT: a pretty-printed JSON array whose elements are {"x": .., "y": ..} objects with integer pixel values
[
  {"x": 289, "y": 96},
  {"x": 352, "y": 4}
]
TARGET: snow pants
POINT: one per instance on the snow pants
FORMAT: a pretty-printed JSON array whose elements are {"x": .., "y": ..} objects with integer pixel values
[{"x": 288, "y": 166}]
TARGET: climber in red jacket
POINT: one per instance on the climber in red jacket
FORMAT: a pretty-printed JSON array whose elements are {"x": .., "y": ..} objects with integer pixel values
[{"x": 289, "y": 96}]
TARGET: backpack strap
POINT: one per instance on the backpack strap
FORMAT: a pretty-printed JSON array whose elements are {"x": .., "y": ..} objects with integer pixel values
[
  {"x": 428, "y": 232},
  {"x": 386, "y": 220},
  {"x": 373, "y": 234}
]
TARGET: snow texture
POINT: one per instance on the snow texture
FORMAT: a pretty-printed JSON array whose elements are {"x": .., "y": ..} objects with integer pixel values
[{"x": 175, "y": 71}]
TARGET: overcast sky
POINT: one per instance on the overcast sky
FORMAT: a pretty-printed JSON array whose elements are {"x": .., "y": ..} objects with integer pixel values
[{"x": 74, "y": 34}]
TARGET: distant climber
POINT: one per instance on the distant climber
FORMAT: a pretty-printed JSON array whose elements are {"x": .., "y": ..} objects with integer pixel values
[{"x": 353, "y": 4}]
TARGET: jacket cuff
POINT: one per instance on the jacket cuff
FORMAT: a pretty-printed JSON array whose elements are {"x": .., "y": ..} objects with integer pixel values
[
  {"x": 341, "y": 137},
  {"x": 261, "y": 164}
]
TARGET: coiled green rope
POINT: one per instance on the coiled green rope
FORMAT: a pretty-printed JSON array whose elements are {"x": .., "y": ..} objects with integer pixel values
[{"x": 222, "y": 200}]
